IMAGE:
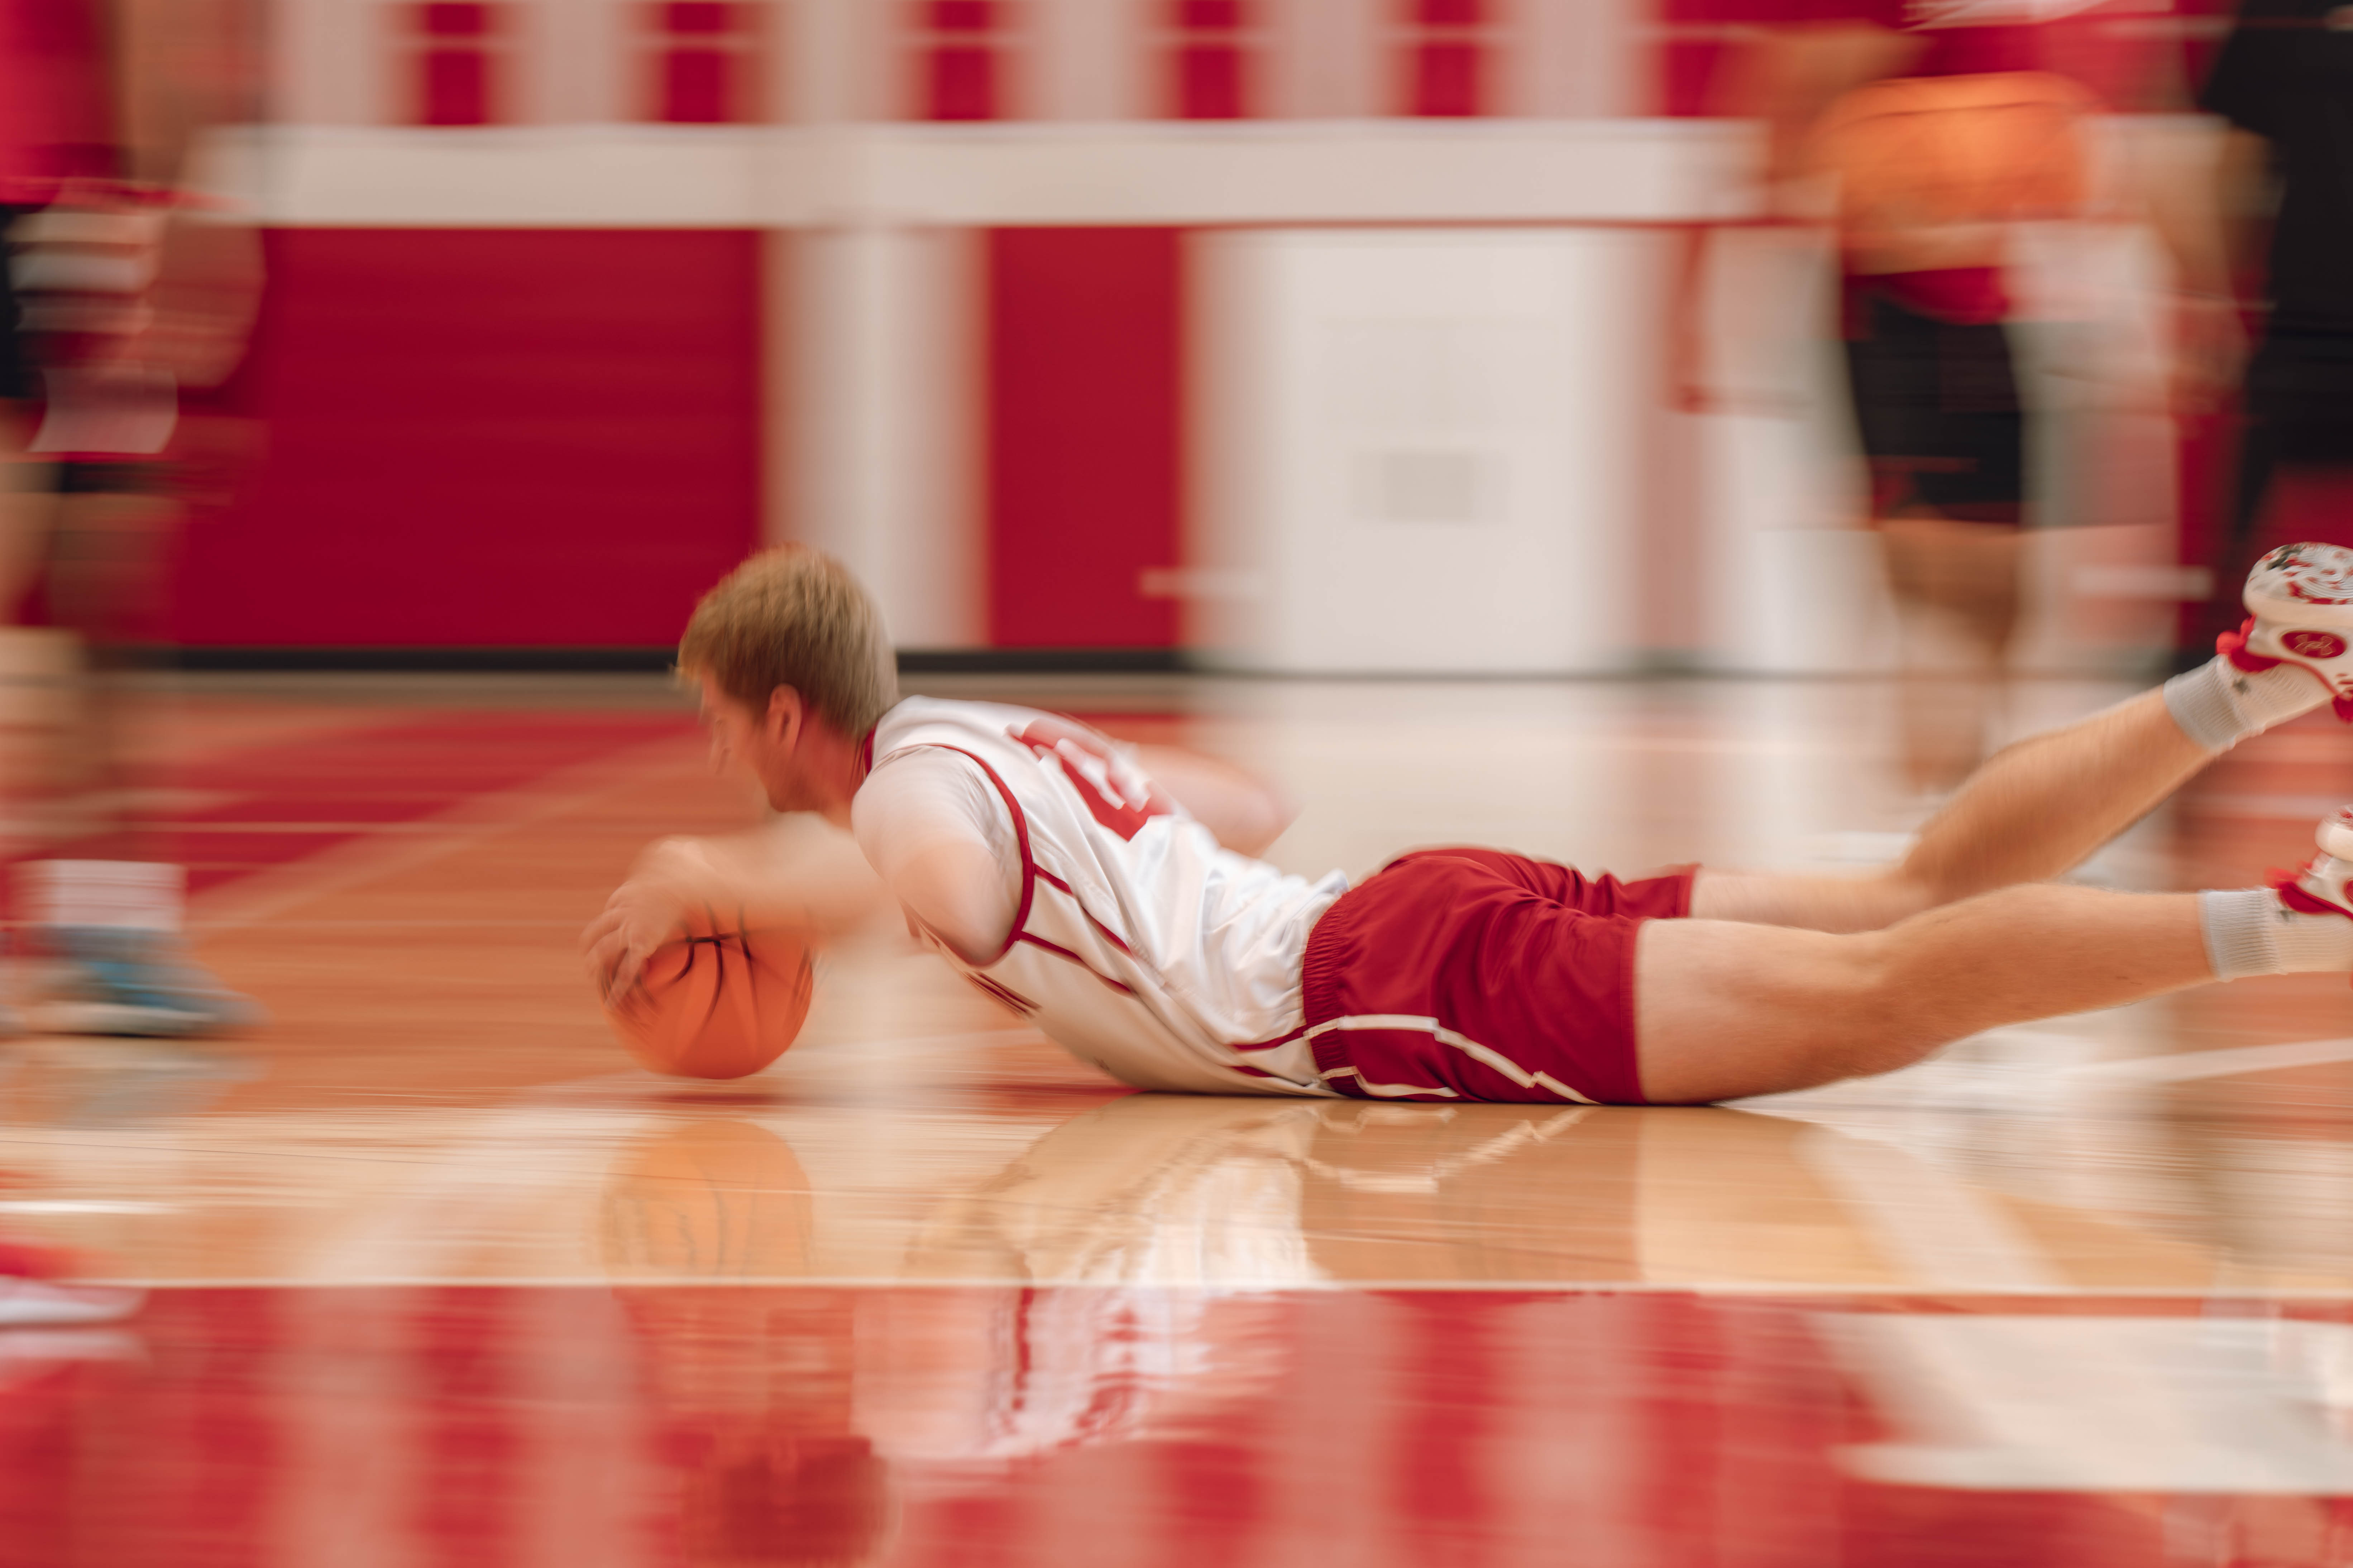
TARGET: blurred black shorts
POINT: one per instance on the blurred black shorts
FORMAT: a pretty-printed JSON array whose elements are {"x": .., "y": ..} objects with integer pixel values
[
  {"x": 19, "y": 377},
  {"x": 112, "y": 477},
  {"x": 2300, "y": 384},
  {"x": 1936, "y": 404}
]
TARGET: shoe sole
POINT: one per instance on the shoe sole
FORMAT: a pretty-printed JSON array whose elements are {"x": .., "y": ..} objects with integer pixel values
[{"x": 121, "y": 1018}]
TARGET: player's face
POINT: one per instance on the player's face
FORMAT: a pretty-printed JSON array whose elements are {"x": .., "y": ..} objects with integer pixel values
[
  {"x": 735, "y": 750},
  {"x": 745, "y": 746}
]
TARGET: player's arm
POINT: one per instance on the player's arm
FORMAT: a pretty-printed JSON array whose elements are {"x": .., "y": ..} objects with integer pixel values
[
  {"x": 933, "y": 829},
  {"x": 1245, "y": 812},
  {"x": 794, "y": 875}
]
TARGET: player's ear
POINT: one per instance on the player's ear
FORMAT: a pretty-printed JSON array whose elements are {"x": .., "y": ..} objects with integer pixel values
[{"x": 785, "y": 717}]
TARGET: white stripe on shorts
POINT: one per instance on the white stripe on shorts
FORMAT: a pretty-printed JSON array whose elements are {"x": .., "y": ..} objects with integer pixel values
[{"x": 1487, "y": 1054}]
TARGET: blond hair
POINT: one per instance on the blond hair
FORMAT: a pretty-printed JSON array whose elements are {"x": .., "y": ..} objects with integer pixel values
[{"x": 795, "y": 617}]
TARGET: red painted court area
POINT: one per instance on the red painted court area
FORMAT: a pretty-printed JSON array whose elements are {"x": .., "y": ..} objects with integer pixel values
[{"x": 954, "y": 1425}]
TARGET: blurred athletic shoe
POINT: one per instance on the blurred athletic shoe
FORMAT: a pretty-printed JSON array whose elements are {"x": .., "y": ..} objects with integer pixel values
[
  {"x": 2300, "y": 597},
  {"x": 113, "y": 980},
  {"x": 115, "y": 964},
  {"x": 2320, "y": 888}
]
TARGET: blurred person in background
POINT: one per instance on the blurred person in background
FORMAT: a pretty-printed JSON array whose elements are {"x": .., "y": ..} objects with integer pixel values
[
  {"x": 1940, "y": 125},
  {"x": 121, "y": 289},
  {"x": 2283, "y": 83}
]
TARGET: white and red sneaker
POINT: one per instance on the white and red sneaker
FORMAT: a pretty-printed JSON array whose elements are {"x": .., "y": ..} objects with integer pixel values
[
  {"x": 2320, "y": 888},
  {"x": 2300, "y": 602}
]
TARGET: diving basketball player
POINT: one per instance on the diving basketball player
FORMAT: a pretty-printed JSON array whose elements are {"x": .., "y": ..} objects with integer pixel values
[{"x": 1111, "y": 897}]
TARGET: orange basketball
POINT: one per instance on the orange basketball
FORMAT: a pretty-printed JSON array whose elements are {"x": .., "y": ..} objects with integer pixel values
[
  {"x": 717, "y": 1003},
  {"x": 1919, "y": 154}
]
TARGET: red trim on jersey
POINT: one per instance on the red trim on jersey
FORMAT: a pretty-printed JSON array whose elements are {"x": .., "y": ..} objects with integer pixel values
[
  {"x": 1041, "y": 943},
  {"x": 1022, "y": 838},
  {"x": 998, "y": 990},
  {"x": 1270, "y": 1045},
  {"x": 1109, "y": 935},
  {"x": 1030, "y": 872},
  {"x": 1047, "y": 736}
]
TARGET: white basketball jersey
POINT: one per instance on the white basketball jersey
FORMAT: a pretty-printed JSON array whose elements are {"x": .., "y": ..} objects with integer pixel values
[{"x": 1138, "y": 945}]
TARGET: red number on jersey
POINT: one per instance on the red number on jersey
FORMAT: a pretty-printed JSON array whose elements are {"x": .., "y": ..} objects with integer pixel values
[{"x": 1116, "y": 793}]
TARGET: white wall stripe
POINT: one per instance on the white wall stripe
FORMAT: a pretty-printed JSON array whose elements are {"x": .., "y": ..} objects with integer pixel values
[{"x": 771, "y": 177}]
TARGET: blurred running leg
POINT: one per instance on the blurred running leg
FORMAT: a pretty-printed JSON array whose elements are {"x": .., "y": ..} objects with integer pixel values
[{"x": 1956, "y": 591}]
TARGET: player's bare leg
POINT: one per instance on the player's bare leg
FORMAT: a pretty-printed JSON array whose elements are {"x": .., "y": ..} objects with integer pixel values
[
  {"x": 1724, "y": 1009},
  {"x": 2038, "y": 808},
  {"x": 2033, "y": 811},
  {"x": 1955, "y": 584}
]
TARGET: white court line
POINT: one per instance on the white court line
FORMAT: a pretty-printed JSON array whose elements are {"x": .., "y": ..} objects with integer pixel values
[
  {"x": 1240, "y": 1284},
  {"x": 2188, "y": 1065},
  {"x": 1942, "y": 1231}
]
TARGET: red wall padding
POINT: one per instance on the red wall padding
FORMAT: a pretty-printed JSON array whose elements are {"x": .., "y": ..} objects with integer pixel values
[
  {"x": 1085, "y": 383},
  {"x": 488, "y": 438}
]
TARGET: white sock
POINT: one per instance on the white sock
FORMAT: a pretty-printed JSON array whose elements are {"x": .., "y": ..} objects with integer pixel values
[
  {"x": 2249, "y": 932},
  {"x": 2218, "y": 704},
  {"x": 136, "y": 895}
]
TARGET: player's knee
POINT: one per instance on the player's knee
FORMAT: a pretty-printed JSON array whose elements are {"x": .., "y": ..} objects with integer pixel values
[
  {"x": 1900, "y": 892},
  {"x": 1876, "y": 1020}
]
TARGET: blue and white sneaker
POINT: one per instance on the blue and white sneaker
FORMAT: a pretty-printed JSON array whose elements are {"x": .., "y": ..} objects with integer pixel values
[{"x": 117, "y": 981}]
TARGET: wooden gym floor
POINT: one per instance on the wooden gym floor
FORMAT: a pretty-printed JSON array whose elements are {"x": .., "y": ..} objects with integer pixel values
[{"x": 438, "y": 1276}]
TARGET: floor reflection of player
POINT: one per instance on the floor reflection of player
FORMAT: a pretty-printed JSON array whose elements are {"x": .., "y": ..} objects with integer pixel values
[
  {"x": 1153, "y": 1190},
  {"x": 791, "y": 1410},
  {"x": 1144, "y": 1190},
  {"x": 754, "y": 1388}
]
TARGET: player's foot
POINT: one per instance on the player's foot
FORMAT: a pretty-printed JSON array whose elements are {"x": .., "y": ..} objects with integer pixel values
[
  {"x": 2300, "y": 602},
  {"x": 123, "y": 982},
  {"x": 45, "y": 1303},
  {"x": 2321, "y": 887}
]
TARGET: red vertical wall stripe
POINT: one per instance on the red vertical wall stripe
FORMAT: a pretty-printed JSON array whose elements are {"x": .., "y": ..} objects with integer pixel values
[
  {"x": 1085, "y": 387},
  {"x": 508, "y": 437},
  {"x": 454, "y": 85}
]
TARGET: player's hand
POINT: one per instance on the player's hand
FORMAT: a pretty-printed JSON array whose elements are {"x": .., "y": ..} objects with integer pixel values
[{"x": 642, "y": 914}]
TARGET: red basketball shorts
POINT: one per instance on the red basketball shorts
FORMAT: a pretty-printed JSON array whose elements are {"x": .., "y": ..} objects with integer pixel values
[{"x": 1478, "y": 975}]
